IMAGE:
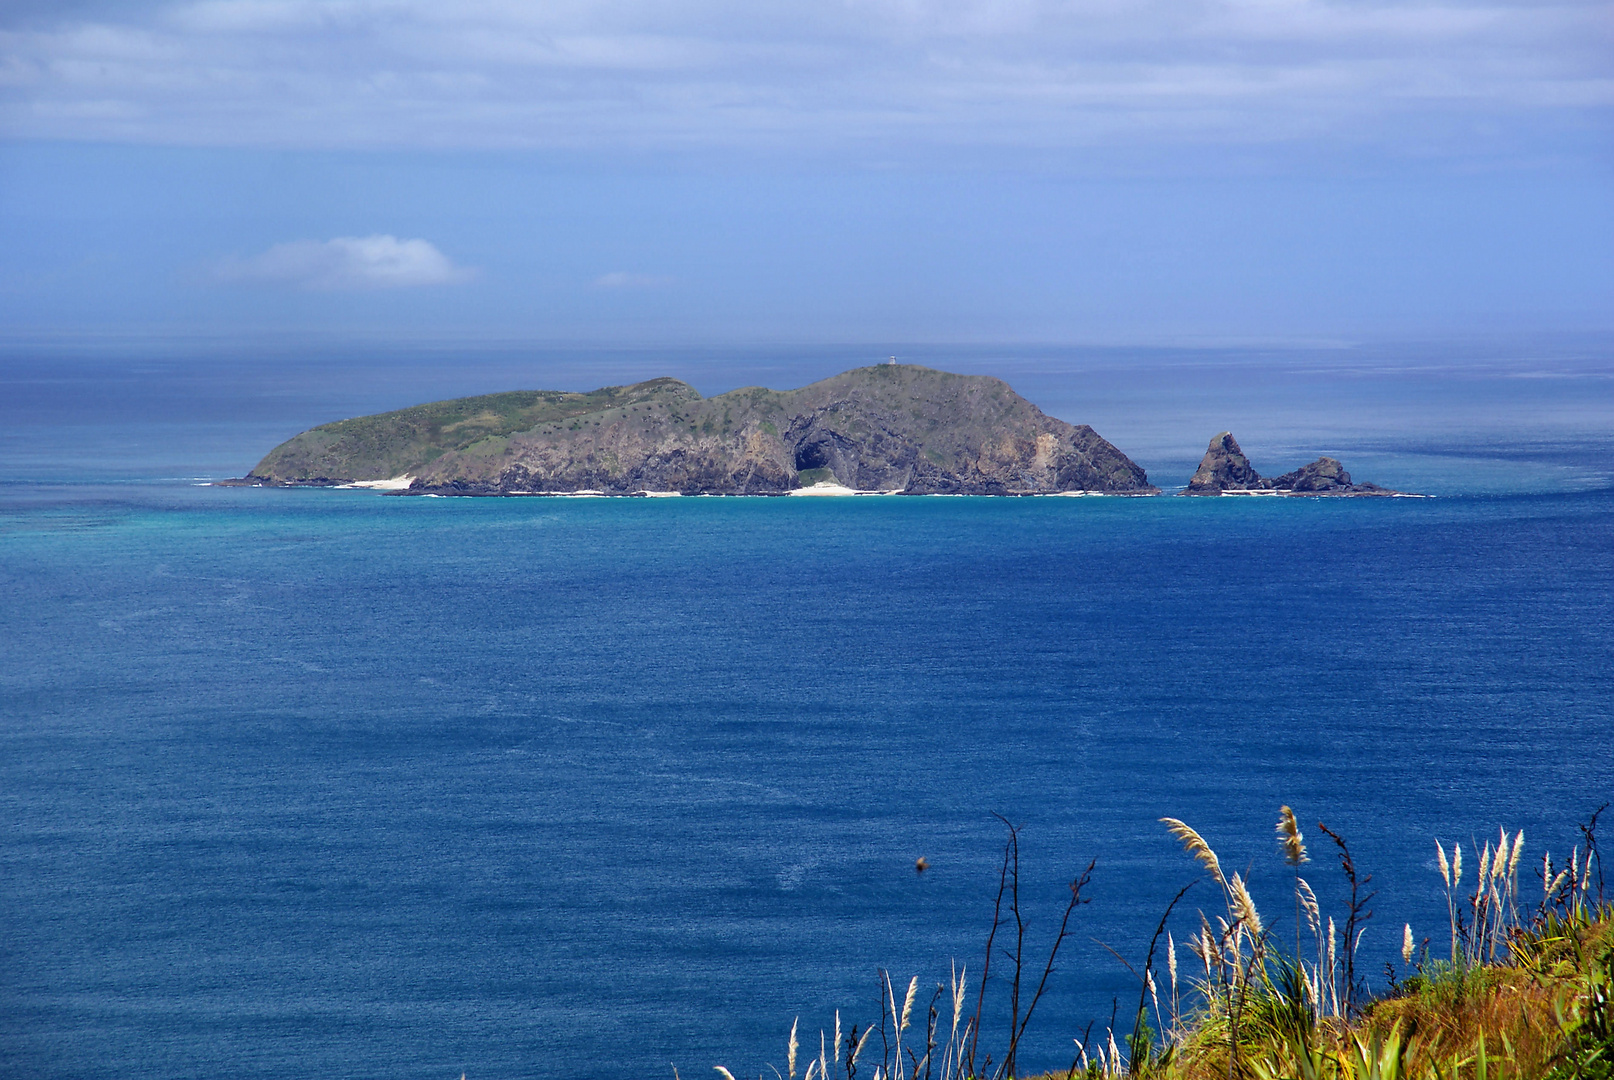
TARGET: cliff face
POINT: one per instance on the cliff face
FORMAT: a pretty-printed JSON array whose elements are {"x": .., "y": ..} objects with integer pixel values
[
  {"x": 1225, "y": 468},
  {"x": 885, "y": 428}
]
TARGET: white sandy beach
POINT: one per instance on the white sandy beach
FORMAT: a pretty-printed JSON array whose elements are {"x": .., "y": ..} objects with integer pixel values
[
  {"x": 824, "y": 487},
  {"x": 397, "y": 483}
]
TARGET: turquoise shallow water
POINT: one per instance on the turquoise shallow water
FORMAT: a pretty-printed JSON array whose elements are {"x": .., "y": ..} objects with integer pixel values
[{"x": 330, "y": 783}]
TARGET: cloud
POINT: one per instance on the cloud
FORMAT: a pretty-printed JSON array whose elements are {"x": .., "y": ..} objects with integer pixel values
[
  {"x": 872, "y": 76},
  {"x": 621, "y": 279},
  {"x": 348, "y": 263}
]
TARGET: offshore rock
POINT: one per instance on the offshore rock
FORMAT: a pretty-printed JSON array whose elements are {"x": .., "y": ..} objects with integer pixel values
[
  {"x": 1325, "y": 476},
  {"x": 894, "y": 427},
  {"x": 1224, "y": 468}
]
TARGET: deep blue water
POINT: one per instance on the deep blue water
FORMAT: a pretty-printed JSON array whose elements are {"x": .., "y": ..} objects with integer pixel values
[{"x": 315, "y": 783}]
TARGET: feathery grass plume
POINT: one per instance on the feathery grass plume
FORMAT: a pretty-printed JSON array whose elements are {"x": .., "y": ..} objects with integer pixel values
[
  {"x": 1452, "y": 875},
  {"x": 726, "y": 1074},
  {"x": 851, "y": 1061},
  {"x": 1199, "y": 944},
  {"x": 953, "y": 1051},
  {"x": 1333, "y": 966},
  {"x": 1308, "y": 901},
  {"x": 837, "y": 1043},
  {"x": 1518, "y": 848},
  {"x": 907, "y": 1004},
  {"x": 1171, "y": 962},
  {"x": 1293, "y": 845},
  {"x": 1195, "y": 845},
  {"x": 1290, "y": 838},
  {"x": 1500, "y": 866},
  {"x": 1406, "y": 944},
  {"x": 1484, "y": 870},
  {"x": 1244, "y": 907},
  {"x": 1154, "y": 995},
  {"x": 790, "y": 1056},
  {"x": 891, "y": 1002}
]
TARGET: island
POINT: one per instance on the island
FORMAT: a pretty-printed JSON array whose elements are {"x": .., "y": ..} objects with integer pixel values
[
  {"x": 1224, "y": 470},
  {"x": 890, "y": 428}
]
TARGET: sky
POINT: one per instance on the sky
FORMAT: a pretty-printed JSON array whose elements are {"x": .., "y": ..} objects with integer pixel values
[{"x": 687, "y": 171}]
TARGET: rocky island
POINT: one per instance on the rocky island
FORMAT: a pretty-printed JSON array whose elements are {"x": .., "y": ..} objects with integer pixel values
[
  {"x": 889, "y": 428},
  {"x": 1225, "y": 470}
]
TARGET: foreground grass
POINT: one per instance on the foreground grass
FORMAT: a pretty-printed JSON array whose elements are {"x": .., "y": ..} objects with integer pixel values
[
  {"x": 1518, "y": 990},
  {"x": 1542, "y": 1012}
]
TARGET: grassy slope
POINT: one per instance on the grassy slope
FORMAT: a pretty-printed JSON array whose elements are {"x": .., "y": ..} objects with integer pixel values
[
  {"x": 1540, "y": 1007},
  {"x": 398, "y": 443},
  {"x": 1540, "y": 1012}
]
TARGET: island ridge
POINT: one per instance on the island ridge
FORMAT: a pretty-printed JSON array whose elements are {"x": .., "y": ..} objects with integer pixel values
[{"x": 890, "y": 428}]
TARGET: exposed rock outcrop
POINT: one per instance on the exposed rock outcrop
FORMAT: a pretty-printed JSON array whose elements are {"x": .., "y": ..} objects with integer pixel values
[
  {"x": 1325, "y": 476},
  {"x": 1225, "y": 469},
  {"x": 886, "y": 428}
]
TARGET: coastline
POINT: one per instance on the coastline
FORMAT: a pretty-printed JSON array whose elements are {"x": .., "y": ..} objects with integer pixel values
[{"x": 401, "y": 486}]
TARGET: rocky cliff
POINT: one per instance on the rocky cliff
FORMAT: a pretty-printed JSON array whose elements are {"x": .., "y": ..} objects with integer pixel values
[
  {"x": 1224, "y": 468},
  {"x": 888, "y": 428}
]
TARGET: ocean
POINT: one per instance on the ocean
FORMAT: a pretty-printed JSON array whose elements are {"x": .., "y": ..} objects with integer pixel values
[{"x": 340, "y": 784}]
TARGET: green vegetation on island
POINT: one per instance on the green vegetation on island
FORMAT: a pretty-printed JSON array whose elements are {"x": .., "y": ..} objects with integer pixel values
[{"x": 405, "y": 442}]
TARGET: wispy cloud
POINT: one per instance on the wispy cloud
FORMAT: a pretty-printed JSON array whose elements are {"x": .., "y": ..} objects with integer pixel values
[
  {"x": 873, "y": 74},
  {"x": 622, "y": 279},
  {"x": 347, "y": 263}
]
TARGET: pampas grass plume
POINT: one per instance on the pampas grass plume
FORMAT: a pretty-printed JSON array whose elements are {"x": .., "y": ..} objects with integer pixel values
[
  {"x": 907, "y": 1004},
  {"x": 1290, "y": 838},
  {"x": 1244, "y": 907},
  {"x": 1195, "y": 845}
]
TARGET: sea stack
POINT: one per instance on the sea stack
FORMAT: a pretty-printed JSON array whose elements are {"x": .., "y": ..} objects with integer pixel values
[{"x": 1225, "y": 470}]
